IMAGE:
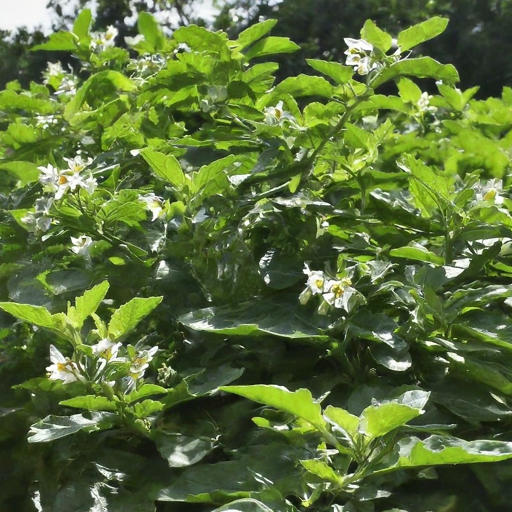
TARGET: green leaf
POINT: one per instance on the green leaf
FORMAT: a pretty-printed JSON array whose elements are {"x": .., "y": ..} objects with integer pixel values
[
  {"x": 271, "y": 46},
  {"x": 378, "y": 420},
  {"x": 417, "y": 252},
  {"x": 438, "y": 450},
  {"x": 55, "y": 427},
  {"x": 269, "y": 317},
  {"x": 254, "y": 32},
  {"x": 91, "y": 403},
  {"x": 36, "y": 315},
  {"x": 147, "y": 408},
  {"x": 375, "y": 36},
  {"x": 244, "y": 505},
  {"x": 82, "y": 24},
  {"x": 26, "y": 172},
  {"x": 150, "y": 29},
  {"x": 303, "y": 85},
  {"x": 429, "y": 188},
  {"x": 339, "y": 73},
  {"x": 130, "y": 314},
  {"x": 422, "y": 67},
  {"x": 101, "y": 81},
  {"x": 322, "y": 470},
  {"x": 346, "y": 421},
  {"x": 87, "y": 304},
  {"x": 201, "y": 39},
  {"x": 144, "y": 391},
  {"x": 300, "y": 403},
  {"x": 165, "y": 166},
  {"x": 180, "y": 450},
  {"x": 413, "y": 36},
  {"x": 61, "y": 41},
  {"x": 408, "y": 90}
]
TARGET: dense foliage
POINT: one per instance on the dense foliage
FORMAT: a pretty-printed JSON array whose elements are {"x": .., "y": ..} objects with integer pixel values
[{"x": 220, "y": 294}]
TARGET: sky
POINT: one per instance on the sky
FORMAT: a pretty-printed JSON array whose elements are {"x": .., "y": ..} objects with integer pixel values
[{"x": 32, "y": 13}]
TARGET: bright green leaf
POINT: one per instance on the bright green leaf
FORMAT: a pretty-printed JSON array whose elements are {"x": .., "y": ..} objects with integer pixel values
[
  {"x": 91, "y": 403},
  {"x": 413, "y": 36},
  {"x": 87, "y": 304},
  {"x": 130, "y": 314},
  {"x": 165, "y": 166},
  {"x": 254, "y": 32},
  {"x": 339, "y": 73},
  {"x": 375, "y": 36},
  {"x": 299, "y": 403},
  {"x": 271, "y": 46},
  {"x": 36, "y": 315}
]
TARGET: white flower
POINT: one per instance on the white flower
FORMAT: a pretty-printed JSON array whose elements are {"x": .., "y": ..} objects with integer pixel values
[
  {"x": 335, "y": 291},
  {"x": 77, "y": 164},
  {"x": 277, "y": 116},
  {"x": 90, "y": 184},
  {"x": 489, "y": 192},
  {"x": 314, "y": 286},
  {"x": 141, "y": 361},
  {"x": 62, "y": 368},
  {"x": 67, "y": 86},
  {"x": 154, "y": 204},
  {"x": 59, "y": 182},
  {"x": 46, "y": 121},
  {"x": 132, "y": 41},
  {"x": 103, "y": 40},
  {"x": 423, "y": 103},
  {"x": 106, "y": 349},
  {"x": 52, "y": 69},
  {"x": 359, "y": 55},
  {"x": 81, "y": 245},
  {"x": 49, "y": 177}
]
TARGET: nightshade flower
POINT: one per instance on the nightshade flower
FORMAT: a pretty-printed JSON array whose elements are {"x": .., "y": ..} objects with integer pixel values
[
  {"x": 276, "y": 116},
  {"x": 67, "y": 86},
  {"x": 62, "y": 368},
  {"x": 103, "y": 40},
  {"x": 52, "y": 69},
  {"x": 141, "y": 361},
  {"x": 314, "y": 286},
  {"x": 46, "y": 121},
  {"x": 154, "y": 204},
  {"x": 490, "y": 192},
  {"x": 81, "y": 245},
  {"x": 336, "y": 289},
  {"x": 359, "y": 55},
  {"x": 106, "y": 349},
  {"x": 77, "y": 164}
]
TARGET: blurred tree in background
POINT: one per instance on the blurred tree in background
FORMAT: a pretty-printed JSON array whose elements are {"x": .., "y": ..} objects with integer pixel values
[{"x": 478, "y": 40}]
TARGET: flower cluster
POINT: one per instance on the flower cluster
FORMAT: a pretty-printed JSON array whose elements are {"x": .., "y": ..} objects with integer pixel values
[
  {"x": 332, "y": 291},
  {"x": 424, "y": 105},
  {"x": 360, "y": 55},
  {"x": 58, "y": 182},
  {"x": 46, "y": 122},
  {"x": 108, "y": 360}
]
